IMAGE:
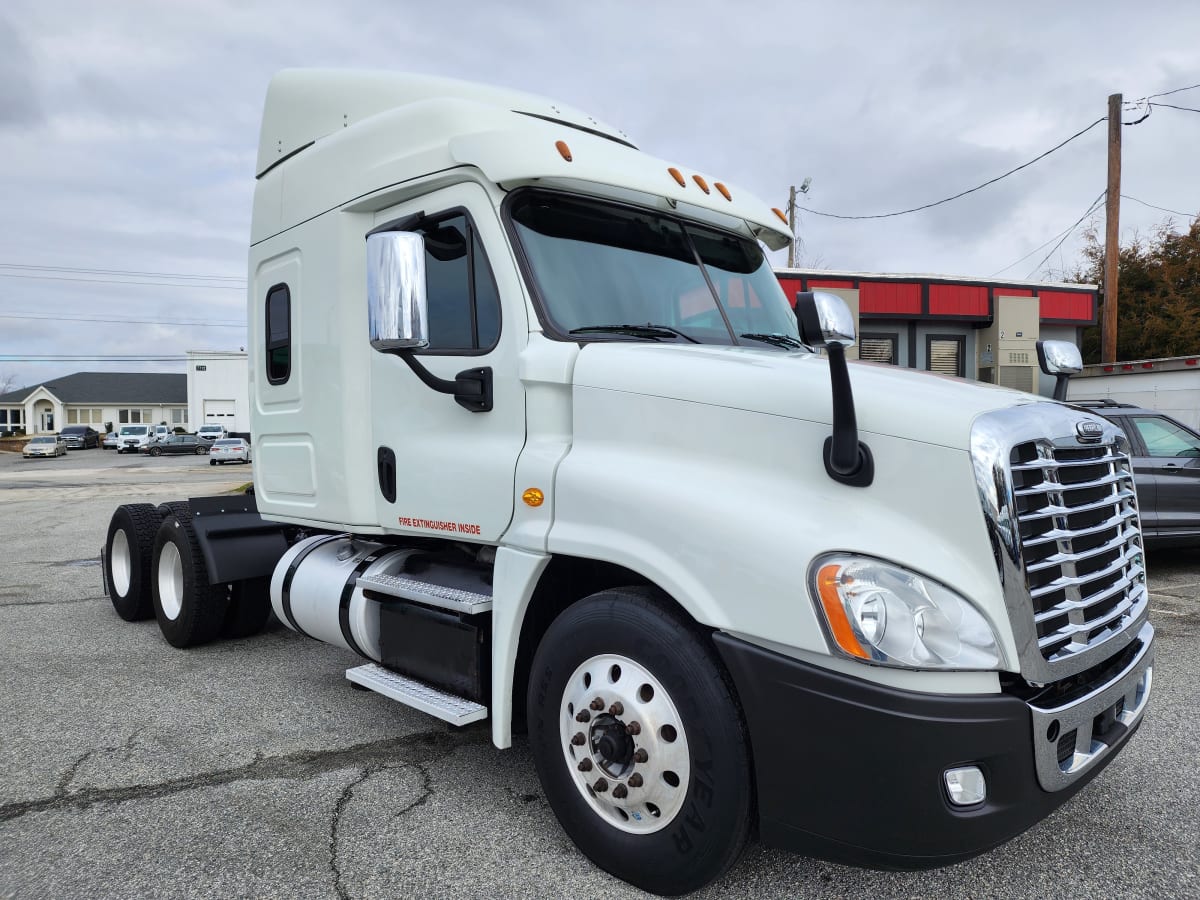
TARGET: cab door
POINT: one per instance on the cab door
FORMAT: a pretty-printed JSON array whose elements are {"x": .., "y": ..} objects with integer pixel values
[{"x": 443, "y": 470}]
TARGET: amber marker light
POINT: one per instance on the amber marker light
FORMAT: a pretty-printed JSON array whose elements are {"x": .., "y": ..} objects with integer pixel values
[
  {"x": 678, "y": 176},
  {"x": 723, "y": 191},
  {"x": 703, "y": 184},
  {"x": 779, "y": 212},
  {"x": 835, "y": 613},
  {"x": 533, "y": 497},
  {"x": 563, "y": 150}
]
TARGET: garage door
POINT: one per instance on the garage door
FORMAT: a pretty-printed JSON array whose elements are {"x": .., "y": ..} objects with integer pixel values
[{"x": 220, "y": 412}]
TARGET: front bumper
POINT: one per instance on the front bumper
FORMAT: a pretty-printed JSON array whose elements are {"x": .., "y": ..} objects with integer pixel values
[{"x": 852, "y": 771}]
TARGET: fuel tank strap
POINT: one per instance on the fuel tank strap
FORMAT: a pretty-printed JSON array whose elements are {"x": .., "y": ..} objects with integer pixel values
[
  {"x": 285, "y": 592},
  {"x": 348, "y": 595}
]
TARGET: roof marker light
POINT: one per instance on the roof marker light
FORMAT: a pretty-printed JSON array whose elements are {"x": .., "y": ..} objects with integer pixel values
[
  {"x": 779, "y": 213},
  {"x": 563, "y": 150},
  {"x": 678, "y": 176},
  {"x": 703, "y": 184},
  {"x": 724, "y": 191}
]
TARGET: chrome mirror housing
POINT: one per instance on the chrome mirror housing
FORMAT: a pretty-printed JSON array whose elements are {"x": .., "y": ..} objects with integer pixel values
[
  {"x": 824, "y": 319},
  {"x": 1059, "y": 358},
  {"x": 397, "y": 309}
]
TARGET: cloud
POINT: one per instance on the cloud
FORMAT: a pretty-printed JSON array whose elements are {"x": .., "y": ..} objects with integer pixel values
[{"x": 19, "y": 104}]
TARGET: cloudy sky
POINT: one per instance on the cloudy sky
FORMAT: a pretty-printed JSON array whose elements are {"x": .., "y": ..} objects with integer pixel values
[{"x": 128, "y": 132}]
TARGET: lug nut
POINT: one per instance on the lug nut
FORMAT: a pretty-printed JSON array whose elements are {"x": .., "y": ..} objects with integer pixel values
[
  {"x": 616, "y": 709},
  {"x": 583, "y": 716},
  {"x": 633, "y": 728},
  {"x": 578, "y": 740},
  {"x": 597, "y": 704},
  {"x": 640, "y": 756},
  {"x": 620, "y": 792},
  {"x": 635, "y": 780},
  {"x": 600, "y": 786},
  {"x": 585, "y": 765}
]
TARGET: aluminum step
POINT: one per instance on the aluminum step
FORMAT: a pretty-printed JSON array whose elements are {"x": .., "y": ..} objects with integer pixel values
[
  {"x": 417, "y": 694},
  {"x": 438, "y": 595}
]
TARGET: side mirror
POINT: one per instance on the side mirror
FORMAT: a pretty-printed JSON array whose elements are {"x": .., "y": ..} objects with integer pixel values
[
  {"x": 824, "y": 319},
  {"x": 397, "y": 310},
  {"x": 1061, "y": 359}
]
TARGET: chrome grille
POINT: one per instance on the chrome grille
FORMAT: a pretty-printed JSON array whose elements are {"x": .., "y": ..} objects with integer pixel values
[{"x": 1079, "y": 541}]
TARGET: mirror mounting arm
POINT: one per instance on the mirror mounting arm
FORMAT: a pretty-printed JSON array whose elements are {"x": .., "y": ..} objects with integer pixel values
[
  {"x": 847, "y": 459},
  {"x": 471, "y": 388}
]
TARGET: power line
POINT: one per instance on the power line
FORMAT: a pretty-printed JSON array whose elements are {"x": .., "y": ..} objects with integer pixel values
[
  {"x": 1047, "y": 243},
  {"x": 905, "y": 212},
  {"x": 1173, "y": 106},
  {"x": 1190, "y": 87},
  {"x": 78, "y": 270},
  {"x": 1091, "y": 209},
  {"x": 120, "y": 321},
  {"x": 1159, "y": 208},
  {"x": 174, "y": 284}
]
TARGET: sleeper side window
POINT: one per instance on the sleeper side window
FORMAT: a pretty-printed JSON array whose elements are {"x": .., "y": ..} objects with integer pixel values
[{"x": 279, "y": 334}]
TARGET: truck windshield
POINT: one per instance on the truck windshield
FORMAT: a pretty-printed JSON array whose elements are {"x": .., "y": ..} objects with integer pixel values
[{"x": 607, "y": 270}]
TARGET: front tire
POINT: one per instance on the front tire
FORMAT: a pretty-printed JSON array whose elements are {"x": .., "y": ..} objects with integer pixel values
[
  {"x": 127, "y": 554},
  {"x": 639, "y": 742},
  {"x": 189, "y": 610},
  {"x": 155, "y": 451}
]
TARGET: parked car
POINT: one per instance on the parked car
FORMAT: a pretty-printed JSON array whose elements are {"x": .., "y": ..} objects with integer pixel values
[
  {"x": 45, "y": 445},
  {"x": 229, "y": 450},
  {"x": 80, "y": 437},
  {"x": 212, "y": 432},
  {"x": 133, "y": 438},
  {"x": 110, "y": 441},
  {"x": 1166, "y": 471},
  {"x": 176, "y": 443}
]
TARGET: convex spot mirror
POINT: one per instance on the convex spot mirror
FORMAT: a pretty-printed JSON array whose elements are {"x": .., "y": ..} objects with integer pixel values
[
  {"x": 824, "y": 319},
  {"x": 1059, "y": 358},
  {"x": 397, "y": 308}
]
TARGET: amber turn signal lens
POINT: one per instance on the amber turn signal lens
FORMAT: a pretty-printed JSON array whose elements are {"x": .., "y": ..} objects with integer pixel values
[
  {"x": 678, "y": 176},
  {"x": 533, "y": 497},
  {"x": 700, "y": 181},
  {"x": 724, "y": 191},
  {"x": 835, "y": 613},
  {"x": 779, "y": 212},
  {"x": 563, "y": 150}
]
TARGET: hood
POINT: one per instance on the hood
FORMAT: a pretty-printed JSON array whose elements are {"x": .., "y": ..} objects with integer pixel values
[{"x": 902, "y": 403}]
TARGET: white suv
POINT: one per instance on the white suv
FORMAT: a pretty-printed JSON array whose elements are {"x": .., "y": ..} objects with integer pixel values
[{"x": 212, "y": 432}]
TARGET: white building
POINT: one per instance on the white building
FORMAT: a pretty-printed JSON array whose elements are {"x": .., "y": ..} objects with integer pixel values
[
  {"x": 217, "y": 389},
  {"x": 102, "y": 400}
]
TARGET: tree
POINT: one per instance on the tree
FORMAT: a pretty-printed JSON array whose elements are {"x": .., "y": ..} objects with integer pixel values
[
  {"x": 1159, "y": 287},
  {"x": 8, "y": 382}
]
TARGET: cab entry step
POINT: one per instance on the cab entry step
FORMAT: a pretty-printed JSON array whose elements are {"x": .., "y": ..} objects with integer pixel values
[
  {"x": 417, "y": 694},
  {"x": 439, "y": 595}
]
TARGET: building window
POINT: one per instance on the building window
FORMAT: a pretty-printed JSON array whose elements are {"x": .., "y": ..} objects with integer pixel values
[
  {"x": 279, "y": 334},
  {"x": 464, "y": 304},
  {"x": 135, "y": 416},
  {"x": 179, "y": 417},
  {"x": 85, "y": 416},
  {"x": 879, "y": 348},
  {"x": 944, "y": 354}
]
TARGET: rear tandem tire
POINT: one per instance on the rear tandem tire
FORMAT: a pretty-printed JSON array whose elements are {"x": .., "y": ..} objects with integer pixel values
[
  {"x": 189, "y": 610},
  {"x": 127, "y": 552}
]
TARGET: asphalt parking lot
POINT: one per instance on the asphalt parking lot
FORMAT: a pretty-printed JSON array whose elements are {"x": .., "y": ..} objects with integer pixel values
[{"x": 251, "y": 769}]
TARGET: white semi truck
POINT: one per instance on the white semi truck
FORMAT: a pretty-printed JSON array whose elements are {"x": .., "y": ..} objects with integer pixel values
[{"x": 540, "y": 440}]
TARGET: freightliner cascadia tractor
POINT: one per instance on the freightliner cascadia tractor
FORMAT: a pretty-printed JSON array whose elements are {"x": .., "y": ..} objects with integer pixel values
[{"x": 540, "y": 440}]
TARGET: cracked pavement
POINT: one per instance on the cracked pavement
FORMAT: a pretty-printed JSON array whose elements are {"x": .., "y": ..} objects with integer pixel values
[{"x": 250, "y": 768}]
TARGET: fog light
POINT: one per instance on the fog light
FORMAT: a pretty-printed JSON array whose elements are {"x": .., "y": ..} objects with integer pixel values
[{"x": 967, "y": 786}]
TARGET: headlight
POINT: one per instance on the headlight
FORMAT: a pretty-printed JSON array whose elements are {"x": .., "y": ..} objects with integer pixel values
[{"x": 880, "y": 613}]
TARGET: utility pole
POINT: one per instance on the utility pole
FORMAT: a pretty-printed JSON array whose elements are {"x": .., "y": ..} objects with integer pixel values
[
  {"x": 1112, "y": 248},
  {"x": 792, "y": 227}
]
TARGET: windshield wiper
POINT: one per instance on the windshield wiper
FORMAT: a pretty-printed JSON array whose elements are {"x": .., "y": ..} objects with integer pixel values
[
  {"x": 777, "y": 340},
  {"x": 648, "y": 331}
]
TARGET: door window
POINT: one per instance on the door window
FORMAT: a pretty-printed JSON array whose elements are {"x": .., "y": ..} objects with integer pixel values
[
  {"x": 1163, "y": 437},
  {"x": 463, "y": 302}
]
